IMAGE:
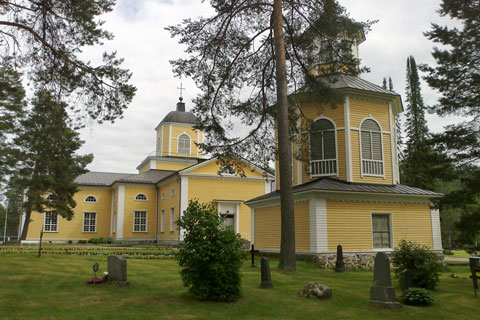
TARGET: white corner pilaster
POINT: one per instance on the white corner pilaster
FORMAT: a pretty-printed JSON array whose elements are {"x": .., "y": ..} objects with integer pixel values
[
  {"x": 252, "y": 228},
  {"x": 153, "y": 164},
  {"x": 436, "y": 231},
  {"x": 169, "y": 139},
  {"x": 111, "y": 214},
  {"x": 348, "y": 139},
  {"x": 318, "y": 225},
  {"x": 268, "y": 186},
  {"x": 161, "y": 142},
  {"x": 393, "y": 145},
  {"x": 120, "y": 211},
  {"x": 183, "y": 201}
]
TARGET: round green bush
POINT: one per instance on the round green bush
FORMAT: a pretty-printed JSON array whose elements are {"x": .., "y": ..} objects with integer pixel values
[
  {"x": 423, "y": 264},
  {"x": 417, "y": 297},
  {"x": 210, "y": 254}
]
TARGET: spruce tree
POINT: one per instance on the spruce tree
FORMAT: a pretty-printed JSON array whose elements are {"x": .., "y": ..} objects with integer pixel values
[
  {"x": 246, "y": 59},
  {"x": 416, "y": 165},
  {"x": 47, "y": 160}
]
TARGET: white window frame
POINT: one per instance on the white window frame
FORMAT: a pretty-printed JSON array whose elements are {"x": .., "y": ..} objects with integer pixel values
[
  {"x": 140, "y": 224},
  {"x": 362, "y": 174},
  {"x": 51, "y": 224},
  {"x": 163, "y": 196},
  {"x": 172, "y": 219},
  {"x": 323, "y": 150},
  {"x": 390, "y": 226},
  {"x": 89, "y": 197},
  {"x": 162, "y": 221},
  {"x": 183, "y": 150},
  {"x": 94, "y": 226},
  {"x": 140, "y": 194},
  {"x": 172, "y": 193}
]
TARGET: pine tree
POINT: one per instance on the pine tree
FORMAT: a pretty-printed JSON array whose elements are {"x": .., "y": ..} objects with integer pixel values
[
  {"x": 416, "y": 165},
  {"x": 12, "y": 104},
  {"x": 47, "y": 163},
  {"x": 46, "y": 38},
  {"x": 261, "y": 47}
]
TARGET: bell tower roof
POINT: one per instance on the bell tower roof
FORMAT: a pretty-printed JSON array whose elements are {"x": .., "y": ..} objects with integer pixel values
[{"x": 179, "y": 115}]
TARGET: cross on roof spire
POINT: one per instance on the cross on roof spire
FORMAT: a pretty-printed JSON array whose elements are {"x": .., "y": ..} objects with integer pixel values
[{"x": 181, "y": 89}]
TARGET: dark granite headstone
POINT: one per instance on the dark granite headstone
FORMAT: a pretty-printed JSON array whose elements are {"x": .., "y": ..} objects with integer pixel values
[
  {"x": 340, "y": 264},
  {"x": 406, "y": 279},
  {"x": 117, "y": 269},
  {"x": 265, "y": 273},
  {"x": 382, "y": 292}
]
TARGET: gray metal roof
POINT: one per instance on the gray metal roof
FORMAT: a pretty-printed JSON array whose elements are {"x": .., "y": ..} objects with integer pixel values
[
  {"x": 180, "y": 117},
  {"x": 329, "y": 184},
  {"x": 341, "y": 81},
  {"x": 106, "y": 179}
]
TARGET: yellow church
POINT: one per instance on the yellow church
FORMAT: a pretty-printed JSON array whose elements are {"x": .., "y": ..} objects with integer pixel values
[
  {"x": 145, "y": 206},
  {"x": 347, "y": 192}
]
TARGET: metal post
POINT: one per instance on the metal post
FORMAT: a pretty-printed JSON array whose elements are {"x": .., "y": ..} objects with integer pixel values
[{"x": 6, "y": 220}]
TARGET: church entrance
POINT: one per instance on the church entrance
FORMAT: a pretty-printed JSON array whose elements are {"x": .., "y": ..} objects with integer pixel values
[{"x": 229, "y": 211}]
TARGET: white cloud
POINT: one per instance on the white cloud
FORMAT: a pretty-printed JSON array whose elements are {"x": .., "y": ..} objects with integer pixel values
[{"x": 147, "y": 47}]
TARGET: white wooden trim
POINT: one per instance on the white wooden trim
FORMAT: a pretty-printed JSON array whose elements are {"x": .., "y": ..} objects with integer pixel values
[
  {"x": 268, "y": 186},
  {"x": 111, "y": 214},
  {"x": 169, "y": 139},
  {"x": 183, "y": 201},
  {"x": 237, "y": 218},
  {"x": 436, "y": 231},
  {"x": 161, "y": 145},
  {"x": 336, "y": 149},
  {"x": 198, "y": 139},
  {"x": 381, "y": 145},
  {"x": 390, "y": 221},
  {"x": 318, "y": 225},
  {"x": 348, "y": 142},
  {"x": 393, "y": 146},
  {"x": 120, "y": 211},
  {"x": 172, "y": 219},
  {"x": 153, "y": 164},
  {"x": 162, "y": 220},
  {"x": 252, "y": 226}
]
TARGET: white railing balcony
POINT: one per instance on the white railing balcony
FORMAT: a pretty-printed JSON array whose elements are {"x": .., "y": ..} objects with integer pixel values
[
  {"x": 323, "y": 167},
  {"x": 372, "y": 167}
]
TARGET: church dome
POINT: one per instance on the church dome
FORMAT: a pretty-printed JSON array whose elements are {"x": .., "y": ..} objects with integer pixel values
[{"x": 180, "y": 115}]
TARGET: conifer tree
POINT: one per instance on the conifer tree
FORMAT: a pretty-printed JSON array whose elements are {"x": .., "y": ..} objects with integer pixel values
[
  {"x": 46, "y": 38},
  {"x": 12, "y": 104},
  {"x": 246, "y": 59},
  {"x": 46, "y": 158},
  {"x": 416, "y": 165}
]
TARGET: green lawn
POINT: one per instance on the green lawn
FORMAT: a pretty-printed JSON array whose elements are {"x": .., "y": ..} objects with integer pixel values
[
  {"x": 53, "y": 287},
  {"x": 460, "y": 254}
]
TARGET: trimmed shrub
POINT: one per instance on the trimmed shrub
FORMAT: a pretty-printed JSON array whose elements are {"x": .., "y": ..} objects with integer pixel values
[
  {"x": 423, "y": 263},
  {"x": 82, "y": 241},
  {"x": 210, "y": 254},
  {"x": 417, "y": 297}
]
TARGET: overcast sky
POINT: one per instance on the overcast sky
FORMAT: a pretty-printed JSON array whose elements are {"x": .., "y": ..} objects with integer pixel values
[{"x": 141, "y": 40}]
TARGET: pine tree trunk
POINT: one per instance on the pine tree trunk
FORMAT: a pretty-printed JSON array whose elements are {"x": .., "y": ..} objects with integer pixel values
[
  {"x": 26, "y": 223},
  {"x": 287, "y": 244}
]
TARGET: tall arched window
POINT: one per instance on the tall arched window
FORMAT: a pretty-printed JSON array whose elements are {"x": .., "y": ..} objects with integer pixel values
[
  {"x": 371, "y": 147},
  {"x": 184, "y": 144},
  {"x": 323, "y": 148}
]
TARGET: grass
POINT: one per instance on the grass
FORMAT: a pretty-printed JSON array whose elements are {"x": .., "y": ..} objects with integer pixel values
[
  {"x": 53, "y": 287},
  {"x": 460, "y": 254}
]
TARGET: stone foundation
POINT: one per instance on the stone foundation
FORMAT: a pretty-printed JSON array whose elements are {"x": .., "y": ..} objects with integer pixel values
[{"x": 363, "y": 261}]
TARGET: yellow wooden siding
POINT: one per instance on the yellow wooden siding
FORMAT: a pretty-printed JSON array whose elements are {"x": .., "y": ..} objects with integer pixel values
[
  {"x": 145, "y": 167},
  {"x": 166, "y": 204},
  {"x": 131, "y": 206},
  {"x": 267, "y": 228},
  {"x": 361, "y": 109},
  {"x": 207, "y": 190},
  {"x": 178, "y": 130},
  {"x": 214, "y": 167},
  {"x": 356, "y": 161},
  {"x": 165, "y": 139},
  {"x": 313, "y": 110},
  {"x": 350, "y": 223},
  {"x": 342, "y": 162},
  {"x": 174, "y": 166},
  {"x": 73, "y": 229}
]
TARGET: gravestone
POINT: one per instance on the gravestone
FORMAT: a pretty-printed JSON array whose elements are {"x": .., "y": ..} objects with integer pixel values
[
  {"x": 382, "y": 292},
  {"x": 406, "y": 279},
  {"x": 265, "y": 274},
  {"x": 117, "y": 269},
  {"x": 340, "y": 264}
]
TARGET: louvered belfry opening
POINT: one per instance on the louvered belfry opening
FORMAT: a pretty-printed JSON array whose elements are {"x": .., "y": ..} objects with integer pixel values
[
  {"x": 372, "y": 155},
  {"x": 323, "y": 148}
]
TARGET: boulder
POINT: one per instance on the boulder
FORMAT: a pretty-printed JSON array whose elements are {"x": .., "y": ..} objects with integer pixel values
[{"x": 316, "y": 290}]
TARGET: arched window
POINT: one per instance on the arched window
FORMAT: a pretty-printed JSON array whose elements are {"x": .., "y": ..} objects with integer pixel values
[
  {"x": 140, "y": 197},
  {"x": 50, "y": 197},
  {"x": 184, "y": 144},
  {"x": 371, "y": 148},
  {"x": 323, "y": 148},
  {"x": 91, "y": 199}
]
